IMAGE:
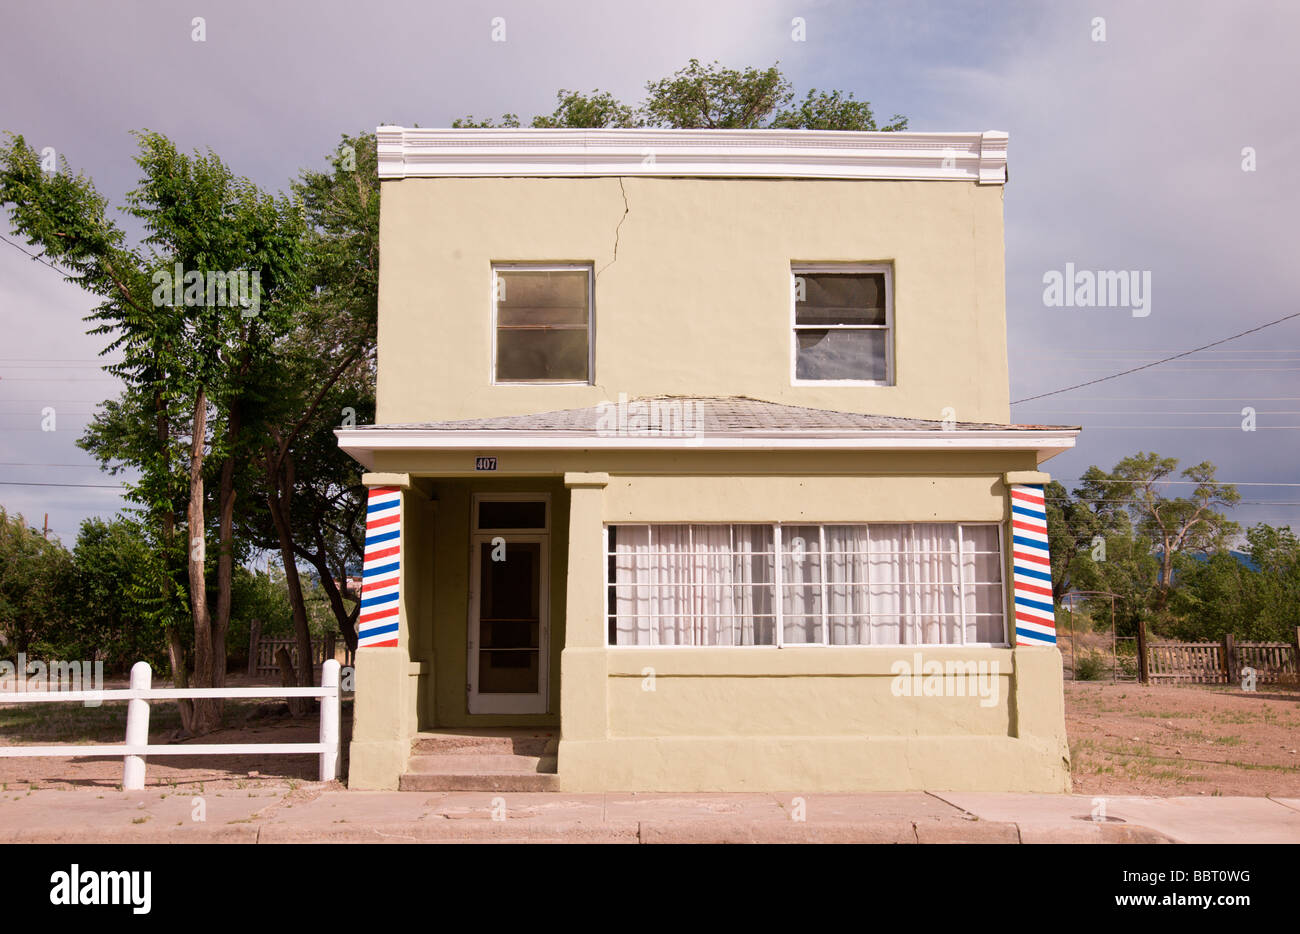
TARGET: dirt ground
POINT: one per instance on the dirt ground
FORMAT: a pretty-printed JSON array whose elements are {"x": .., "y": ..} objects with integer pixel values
[
  {"x": 1211, "y": 740},
  {"x": 1125, "y": 739}
]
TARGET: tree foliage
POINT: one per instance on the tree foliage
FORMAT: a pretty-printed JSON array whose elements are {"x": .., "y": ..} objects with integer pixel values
[
  {"x": 197, "y": 360},
  {"x": 35, "y": 574},
  {"x": 708, "y": 97},
  {"x": 1169, "y": 557}
]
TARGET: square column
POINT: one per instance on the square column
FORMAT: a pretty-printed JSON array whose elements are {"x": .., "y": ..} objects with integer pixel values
[
  {"x": 1033, "y": 610},
  {"x": 383, "y": 709},
  {"x": 583, "y": 670}
]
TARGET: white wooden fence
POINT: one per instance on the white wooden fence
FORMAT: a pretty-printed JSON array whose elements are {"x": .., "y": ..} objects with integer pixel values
[{"x": 137, "y": 745}]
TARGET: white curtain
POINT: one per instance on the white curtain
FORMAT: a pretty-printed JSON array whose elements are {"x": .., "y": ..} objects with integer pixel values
[
  {"x": 929, "y": 583},
  {"x": 907, "y": 568},
  {"x": 982, "y": 579},
  {"x": 693, "y": 585},
  {"x": 634, "y": 586},
  {"x": 801, "y": 584},
  {"x": 850, "y": 601},
  {"x": 887, "y": 584},
  {"x": 752, "y": 577}
]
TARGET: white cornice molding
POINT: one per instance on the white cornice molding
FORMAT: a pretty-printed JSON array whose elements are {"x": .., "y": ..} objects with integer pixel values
[{"x": 406, "y": 152}]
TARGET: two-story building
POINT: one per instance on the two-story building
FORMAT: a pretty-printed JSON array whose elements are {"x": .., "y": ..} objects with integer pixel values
[{"x": 693, "y": 469}]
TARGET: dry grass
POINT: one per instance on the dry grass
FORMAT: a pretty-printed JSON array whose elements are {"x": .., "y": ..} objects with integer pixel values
[{"x": 1135, "y": 739}]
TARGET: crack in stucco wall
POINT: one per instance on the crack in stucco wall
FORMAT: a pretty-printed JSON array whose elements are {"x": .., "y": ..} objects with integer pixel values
[{"x": 617, "y": 229}]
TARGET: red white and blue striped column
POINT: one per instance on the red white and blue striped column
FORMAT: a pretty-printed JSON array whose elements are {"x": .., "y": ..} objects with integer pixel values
[
  {"x": 1035, "y": 615},
  {"x": 381, "y": 569}
]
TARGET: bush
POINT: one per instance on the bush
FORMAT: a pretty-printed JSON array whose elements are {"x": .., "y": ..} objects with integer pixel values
[{"x": 1089, "y": 667}]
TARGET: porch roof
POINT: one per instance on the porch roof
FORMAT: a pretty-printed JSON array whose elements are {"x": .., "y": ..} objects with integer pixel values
[{"x": 703, "y": 423}]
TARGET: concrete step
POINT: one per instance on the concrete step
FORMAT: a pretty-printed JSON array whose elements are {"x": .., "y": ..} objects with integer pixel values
[
  {"x": 479, "y": 781},
  {"x": 484, "y": 742},
  {"x": 465, "y": 763}
]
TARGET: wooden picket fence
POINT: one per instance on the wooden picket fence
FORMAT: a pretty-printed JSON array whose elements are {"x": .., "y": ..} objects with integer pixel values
[
  {"x": 1194, "y": 662},
  {"x": 1222, "y": 662},
  {"x": 262, "y": 649}
]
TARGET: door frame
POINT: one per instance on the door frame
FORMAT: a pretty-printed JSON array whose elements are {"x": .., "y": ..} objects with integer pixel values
[{"x": 481, "y": 703}]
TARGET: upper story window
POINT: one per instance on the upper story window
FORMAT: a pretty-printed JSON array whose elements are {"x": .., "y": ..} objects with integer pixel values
[
  {"x": 541, "y": 324},
  {"x": 843, "y": 324}
]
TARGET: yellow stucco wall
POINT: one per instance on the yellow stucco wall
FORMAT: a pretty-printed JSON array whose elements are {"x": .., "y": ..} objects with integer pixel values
[
  {"x": 698, "y": 299},
  {"x": 697, "y": 302}
]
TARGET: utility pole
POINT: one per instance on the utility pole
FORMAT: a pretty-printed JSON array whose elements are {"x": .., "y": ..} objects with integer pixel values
[{"x": 46, "y": 533}]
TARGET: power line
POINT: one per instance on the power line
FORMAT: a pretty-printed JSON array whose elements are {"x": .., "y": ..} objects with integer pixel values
[
  {"x": 93, "y": 486},
  {"x": 1153, "y": 351},
  {"x": 1196, "y": 428},
  {"x": 1213, "y": 369},
  {"x": 1219, "y": 398},
  {"x": 1147, "y": 366},
  {"x": 1191, "y": 482},
  {"x": 33, "y": 256},
  {"x": 1136, "y": 411},
  {"x": 1230, "y": 505}
]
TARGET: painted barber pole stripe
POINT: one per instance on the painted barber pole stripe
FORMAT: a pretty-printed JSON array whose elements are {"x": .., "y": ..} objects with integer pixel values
[
  {"x": 381, "y": 567},
  {"x": 1035, "y": 616}
]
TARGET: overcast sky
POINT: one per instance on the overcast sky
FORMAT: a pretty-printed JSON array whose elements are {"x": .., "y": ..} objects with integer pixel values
[{"x": 1125, "y": 154}]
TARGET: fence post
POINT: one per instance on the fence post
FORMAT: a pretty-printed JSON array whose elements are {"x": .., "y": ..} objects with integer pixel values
[
  {"x": 330, "y": 709},
  {"x": 137, "y": 727},
  {"x": 1144, "y": 671},
  {"x": 254, "y": 637},
  {"x": 1229, "y": 668}
]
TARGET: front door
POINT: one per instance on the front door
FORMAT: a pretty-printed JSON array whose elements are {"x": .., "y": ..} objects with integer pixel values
[{"x": 509, "y": 624}]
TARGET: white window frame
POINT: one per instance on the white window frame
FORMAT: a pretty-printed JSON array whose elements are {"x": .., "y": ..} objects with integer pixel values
[
  {"x": 591, "y": 321},
  {"x": 477, "y": 703},
  {"x": 797, "y": 269},
  {"x": 1008, "y": 605},
  {"x": 525, "y": 497}
]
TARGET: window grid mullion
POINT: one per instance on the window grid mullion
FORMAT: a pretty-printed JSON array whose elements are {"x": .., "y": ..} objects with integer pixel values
[
  {"x": 871, "y": 619},
  {"x": 961, "y": 581},
  {"x": 821, "y": 558},
  {"x": 778, "y": 577},
  {"x": 656, "y": 595},
  {"x": 697, "y": 627},
  {"x": 731, "y": 563}
]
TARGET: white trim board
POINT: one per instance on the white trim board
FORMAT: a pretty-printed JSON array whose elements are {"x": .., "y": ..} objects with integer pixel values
[
  {"x": 362, "y": 444},
  {"x": 410, "y": 152}
]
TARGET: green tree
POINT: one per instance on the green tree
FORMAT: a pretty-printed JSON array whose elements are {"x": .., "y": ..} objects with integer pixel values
[
  {"x": 821, "y": 110},
  {"x": 588, "y": 111},
  {"x": 315, "y": 503},
  {"x": 35, "y": 574},
  {"x": 715, "y": 98},
  {"x": 1174, "y": 525},
  {"x": 116, "y": 615},
  {"x": 709, "y": 96},
  {"x": 1223, "y": 594},
  {"x": 197, "y": 364}
]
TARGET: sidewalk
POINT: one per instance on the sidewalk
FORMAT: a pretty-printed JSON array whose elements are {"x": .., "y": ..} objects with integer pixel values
[{"x": 325, "y": 813}]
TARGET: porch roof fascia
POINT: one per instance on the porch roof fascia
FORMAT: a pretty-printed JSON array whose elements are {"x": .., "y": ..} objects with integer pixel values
[{"x": 362, "y": 444}]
